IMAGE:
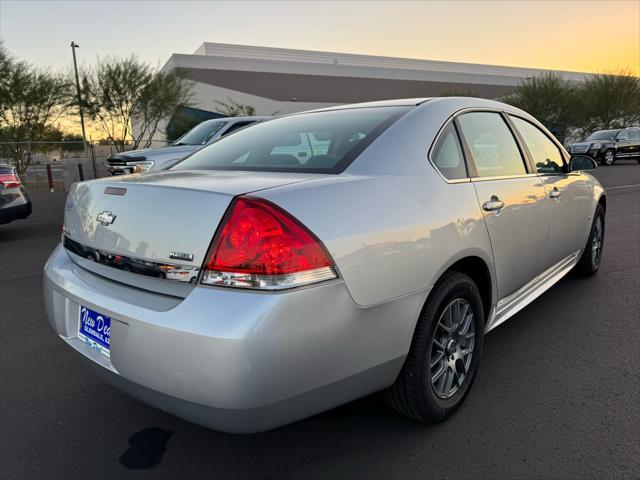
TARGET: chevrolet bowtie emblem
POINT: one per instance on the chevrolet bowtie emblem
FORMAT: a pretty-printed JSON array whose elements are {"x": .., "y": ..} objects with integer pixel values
[{"x": 106, "y": 218}]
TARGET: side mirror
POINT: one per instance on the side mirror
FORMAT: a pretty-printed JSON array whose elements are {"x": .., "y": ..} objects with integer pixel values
[{"x": 582, "y": 162}]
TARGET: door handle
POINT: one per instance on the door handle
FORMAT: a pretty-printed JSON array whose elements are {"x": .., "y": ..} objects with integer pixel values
[
  {"x": 492, "y": 205},
  {"x": 555, "y": 193}
]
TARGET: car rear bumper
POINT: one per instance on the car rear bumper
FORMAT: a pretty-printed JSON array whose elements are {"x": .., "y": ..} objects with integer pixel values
[
  {"x": 236, "y": 361},
  {"x": 18, "y": 212}
]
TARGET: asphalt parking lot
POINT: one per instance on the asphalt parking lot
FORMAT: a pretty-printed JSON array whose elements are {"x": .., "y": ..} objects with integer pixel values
[{"x": 557, "y": 395}]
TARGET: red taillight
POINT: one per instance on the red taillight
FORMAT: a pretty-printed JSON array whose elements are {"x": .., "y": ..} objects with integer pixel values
[
  {"x": 259, "y": 245},
  {"x": 10, "y": 181}
]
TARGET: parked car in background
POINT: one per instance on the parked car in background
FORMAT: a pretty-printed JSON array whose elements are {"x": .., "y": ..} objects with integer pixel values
[
  {"x": 607, "y": 146},
  {"x": 378, "y": 262},
  {"x": 15, "y": 203},
  {"x": 156, "y": 159}
]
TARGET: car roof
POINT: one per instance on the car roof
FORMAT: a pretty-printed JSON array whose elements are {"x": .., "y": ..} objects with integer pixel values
[
  {"x": 453, "y": 104},
  {"x": 609, "y": 130},
  {"x": 399, "y": 102}
]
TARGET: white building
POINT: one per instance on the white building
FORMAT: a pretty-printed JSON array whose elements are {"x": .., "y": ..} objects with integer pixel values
[{"x": 279, "y": 81}]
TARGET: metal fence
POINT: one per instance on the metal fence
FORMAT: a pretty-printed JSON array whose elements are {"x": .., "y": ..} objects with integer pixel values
[
  {"x": 56, "y": 165},
  {"x": 58, "y": 150}
]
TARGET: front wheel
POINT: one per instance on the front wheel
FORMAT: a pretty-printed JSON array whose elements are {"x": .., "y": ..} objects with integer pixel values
[
  {"x": 445, "y": 352},
  {"x": 591, "y": 257},
  {"x": 608, "y": 158}
]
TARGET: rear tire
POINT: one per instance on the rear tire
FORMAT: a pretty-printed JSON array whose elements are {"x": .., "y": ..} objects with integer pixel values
[
  {"x": 591, "y": 258},
  {"x": 436, "y": 377}
]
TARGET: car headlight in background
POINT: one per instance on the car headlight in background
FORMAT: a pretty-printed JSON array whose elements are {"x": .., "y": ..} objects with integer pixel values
[
  {"x": 596, "y": 145},
  {"x": 144, "y": 166}
]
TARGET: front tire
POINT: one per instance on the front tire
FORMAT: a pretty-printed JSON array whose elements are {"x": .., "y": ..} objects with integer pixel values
[
  {"x": 591, "y": 258},
  {"x": 445, "y": 352},
  {"x": 608, "y": 158}
]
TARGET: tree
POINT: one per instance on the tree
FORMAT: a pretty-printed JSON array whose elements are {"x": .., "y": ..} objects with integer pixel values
[
  {"x": 231, "y": 108},
  {"x": 610, "y": 100},
  {"x": 31, "y": 102},
  {"x": 122, "y": 90},
  {"x": 551, "y": 99},
  {"x": 161, "y": 99}
]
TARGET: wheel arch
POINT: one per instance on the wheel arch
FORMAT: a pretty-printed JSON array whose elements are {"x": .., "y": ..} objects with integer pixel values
[
  {"x": 479, "y": 270},
  {"x": 603, "y": 201}
]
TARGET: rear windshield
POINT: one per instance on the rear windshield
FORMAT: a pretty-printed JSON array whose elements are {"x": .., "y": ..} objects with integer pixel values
[{"x": 320, "y": 142}]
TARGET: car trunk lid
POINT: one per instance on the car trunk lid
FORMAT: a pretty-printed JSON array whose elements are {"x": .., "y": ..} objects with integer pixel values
[{"x": 159, "y": 219}]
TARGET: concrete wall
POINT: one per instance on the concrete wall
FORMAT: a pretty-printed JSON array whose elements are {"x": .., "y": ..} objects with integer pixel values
[{"x": 71, "y": 170}]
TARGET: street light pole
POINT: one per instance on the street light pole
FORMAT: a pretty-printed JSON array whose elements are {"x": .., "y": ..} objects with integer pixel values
[{"x": 74, "y": 45}]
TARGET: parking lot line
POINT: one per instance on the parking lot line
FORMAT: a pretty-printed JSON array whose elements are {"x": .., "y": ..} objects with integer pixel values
[{"x": 623, "y": 186}]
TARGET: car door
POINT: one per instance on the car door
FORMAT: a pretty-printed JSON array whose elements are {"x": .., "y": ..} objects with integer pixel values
[
  {"x": 634, "y": 136},
  {"x": 568, "y": 200},
  {"x": 511, "y": 196},
  {"x": 628, "y": 143}
]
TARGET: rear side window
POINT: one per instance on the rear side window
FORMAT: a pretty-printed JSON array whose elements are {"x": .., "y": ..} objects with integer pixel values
[
  {"x": 634, "y": 134},
  {"x": 492, "y": 145},
  {"x": 623, "y": 135},
  {"x": 317, "y": 142},
  {"x": 447, "y": 155},
  {"x": 545, "y": 154}
]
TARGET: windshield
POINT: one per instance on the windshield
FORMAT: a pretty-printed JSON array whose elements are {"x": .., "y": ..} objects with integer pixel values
[
  {"x": 202, "y": 133},
  {"x": 603, "y": 135},
  {"x": 318, "y": 142}
]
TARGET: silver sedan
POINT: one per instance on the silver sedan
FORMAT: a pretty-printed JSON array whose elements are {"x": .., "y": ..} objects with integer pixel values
[{"x": 322, "y": 256}]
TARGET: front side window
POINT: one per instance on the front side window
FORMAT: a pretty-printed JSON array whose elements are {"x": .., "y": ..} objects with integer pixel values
[
  {"x": 318, "y": 142},
  {"x": 492, "y": 145},
  {"x": 623, "y": 135},
  {"x": 546, "y": 156},
  {"x": 447, "y": 155}
]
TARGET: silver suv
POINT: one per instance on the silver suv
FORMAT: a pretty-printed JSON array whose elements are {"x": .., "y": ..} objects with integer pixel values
[{"x": 156, "y": 159}]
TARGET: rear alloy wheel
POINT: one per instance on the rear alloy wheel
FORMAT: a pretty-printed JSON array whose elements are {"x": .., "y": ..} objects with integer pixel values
[
  {"x": 591, "y": 257},
  {"x": 445, "y": 352},
  {"x": 452, "y": 348},
  {"x": 608, "y": 158}
]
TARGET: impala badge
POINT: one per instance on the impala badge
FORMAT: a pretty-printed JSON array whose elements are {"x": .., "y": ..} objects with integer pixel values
[
  {"x": 106, "y": 218},
  {"x": 181, "y": 256}
]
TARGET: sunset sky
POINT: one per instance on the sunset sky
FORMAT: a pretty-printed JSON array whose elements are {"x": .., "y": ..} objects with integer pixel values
[
  {"x": 588, "y": 36},
  {"x": 569, "y": 35}
]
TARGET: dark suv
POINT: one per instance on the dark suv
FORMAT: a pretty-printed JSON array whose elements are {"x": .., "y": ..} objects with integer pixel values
[{"x": 607, "y": 146}]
